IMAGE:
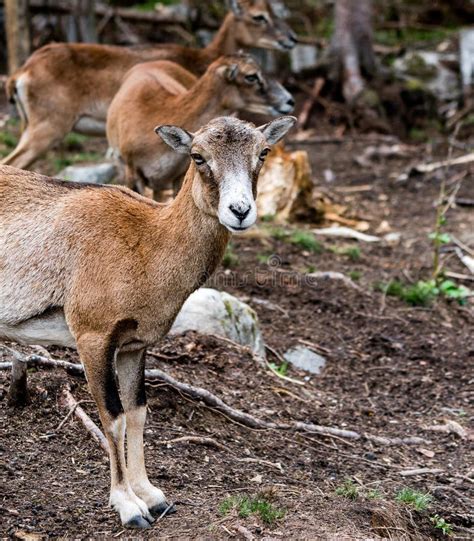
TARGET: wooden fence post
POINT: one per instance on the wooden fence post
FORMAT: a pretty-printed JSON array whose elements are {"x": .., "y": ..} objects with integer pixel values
[{"x": 17, "y": 29}]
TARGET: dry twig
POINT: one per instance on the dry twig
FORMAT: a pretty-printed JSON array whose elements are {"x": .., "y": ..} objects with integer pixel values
[{"x": 70, "y": 402}]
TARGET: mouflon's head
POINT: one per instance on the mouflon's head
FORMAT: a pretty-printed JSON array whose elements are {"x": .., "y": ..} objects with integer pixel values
[
  {"x": 245, "y": 87},
  {"x": 261, "y": 24},
  {"x": 227, "y": 155}
]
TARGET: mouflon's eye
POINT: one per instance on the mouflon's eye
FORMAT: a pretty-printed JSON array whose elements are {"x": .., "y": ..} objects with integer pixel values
[
  {"x": 263, "y": 154},
  {"x": 259, "y": 19},
  {"x": 198, "y": 159},
  {"x": 251, "y": 78}
]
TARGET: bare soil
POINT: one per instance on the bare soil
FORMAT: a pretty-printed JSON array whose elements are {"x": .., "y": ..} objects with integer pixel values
[{"x": 392, "y": 370}]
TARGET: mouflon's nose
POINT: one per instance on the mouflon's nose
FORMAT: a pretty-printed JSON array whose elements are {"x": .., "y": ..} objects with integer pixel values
[{"x": 239, "y": 212}]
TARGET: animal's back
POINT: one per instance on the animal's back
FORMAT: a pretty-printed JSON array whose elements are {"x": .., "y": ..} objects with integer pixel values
[{"x": 147, "y": 90}]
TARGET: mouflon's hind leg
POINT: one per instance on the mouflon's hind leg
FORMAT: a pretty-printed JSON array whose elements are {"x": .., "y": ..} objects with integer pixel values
[
  {"x": 38, "y": 137},
  {"x": 131, "y": 373},
  {"x": 97, "y": 354}
]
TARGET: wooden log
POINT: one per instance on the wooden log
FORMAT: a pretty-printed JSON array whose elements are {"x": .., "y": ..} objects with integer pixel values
[{"x": 65, "y": 7}]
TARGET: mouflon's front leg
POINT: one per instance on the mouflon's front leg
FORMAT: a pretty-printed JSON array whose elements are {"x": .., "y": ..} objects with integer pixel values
[
  {"x": 97, "y": 354},
  {"x": 131, "y": 373}
]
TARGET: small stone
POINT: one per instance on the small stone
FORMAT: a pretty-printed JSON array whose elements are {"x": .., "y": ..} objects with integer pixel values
[
  {"x": 305, "y": 359},
  {"x": 258, "y": 479}
]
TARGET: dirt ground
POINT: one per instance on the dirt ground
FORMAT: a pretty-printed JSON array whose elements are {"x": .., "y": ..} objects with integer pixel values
[{"x": 392, "y": 370}]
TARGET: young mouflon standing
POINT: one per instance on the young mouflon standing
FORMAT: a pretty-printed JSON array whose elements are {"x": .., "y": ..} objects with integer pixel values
[{"x": 105, "y": 270}]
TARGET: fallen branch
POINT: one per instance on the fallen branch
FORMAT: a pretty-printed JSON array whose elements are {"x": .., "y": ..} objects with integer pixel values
[
  {"x": 459, "y": 276},
  {"x": 345, "y": 232},
  {"x": 44, "y": 362},
  {"x": 211, "y": 442},
  {"x": 464, "y": 202},
  {"x": 309, "y": 103},
  {"x": 198, "y": 393},
  {"x": 466, "y": 260},
  {"x": 200, "y": 440},
  {"x": 420, "y": 471},
  {"x": 214, "y": 402},
  {"x": 411, "y": 440},
  {"x": 330, "y": 275},
  {"x": 430, "y": 167},
  {"x": 68, "y": 401}
]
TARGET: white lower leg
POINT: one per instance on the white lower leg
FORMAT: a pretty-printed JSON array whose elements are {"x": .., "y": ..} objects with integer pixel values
[
  {"x": 122, "y": 497},
  {"x": 138, "y": 478}
]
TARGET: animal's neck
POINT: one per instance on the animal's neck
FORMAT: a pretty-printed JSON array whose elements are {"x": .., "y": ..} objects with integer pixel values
[
  {"x": 204, "y": 100},
  {"x": 197, "y": 237},
  {"x": 224, "y": 42}
]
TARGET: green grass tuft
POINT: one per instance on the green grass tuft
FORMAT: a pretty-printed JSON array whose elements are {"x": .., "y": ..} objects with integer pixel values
[
  {"x": 74, "y": 141},
  {"x": 230, "y": 259},
  {"x": 348, "y": 490},
  {"x": 352, "y": 252},
  {"x": 440, "y": 524},
  {"x": 7, "y": 139},
  {"x": 424, "y": 292},
  {"x": 374, "y": 494},
  {"x": 306, "y": 240},
  {"x": 263, "y": 258},
  {"x": 355, "y": 275},
  {"x": 418, "y": 500},
  {"x": 281, "y": 370},
  {"x": 247, "y": 506},
  {"x": 279, "y": 233}
]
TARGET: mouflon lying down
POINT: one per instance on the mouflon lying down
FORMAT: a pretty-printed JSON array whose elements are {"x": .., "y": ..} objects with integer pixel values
[{"x": 105, "y": 270}]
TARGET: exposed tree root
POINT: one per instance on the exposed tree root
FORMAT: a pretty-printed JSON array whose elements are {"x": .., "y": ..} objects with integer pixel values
[
  {"x": 214, "y": 402},
  {"x": 198, "y": 393}
]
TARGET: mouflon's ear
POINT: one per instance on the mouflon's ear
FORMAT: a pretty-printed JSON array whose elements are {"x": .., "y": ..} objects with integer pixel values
[
  {"x": 177, "y": 138},
  {"x": 276, "y": 129},
  {"x": 228, "y": 72}
]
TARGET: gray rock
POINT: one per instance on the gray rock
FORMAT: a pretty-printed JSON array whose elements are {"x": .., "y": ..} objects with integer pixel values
[
  {"x": 428, "y": 69},
  {"x": 99, "y": 173},
  {"x": 303, "y": 57},
  {"x": 209, "y": 311},
  {"x": 305, "y": 359},
  {"x": 466, "y": 47}
]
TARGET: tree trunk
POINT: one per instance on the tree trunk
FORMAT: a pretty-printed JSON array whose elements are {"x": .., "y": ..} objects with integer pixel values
[
  {"x": 17, "y": 30},
  {"x": 81, "y": 23},
  {"x": 351, "y": 50}
]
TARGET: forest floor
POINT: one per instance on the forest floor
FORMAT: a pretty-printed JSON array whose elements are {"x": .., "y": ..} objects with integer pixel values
[{"x": 393, "y": 370}]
